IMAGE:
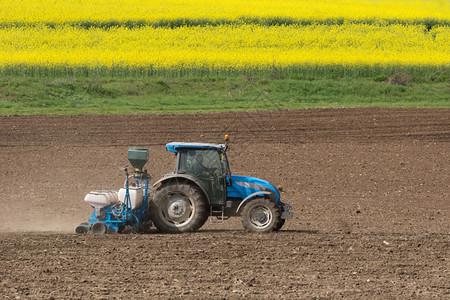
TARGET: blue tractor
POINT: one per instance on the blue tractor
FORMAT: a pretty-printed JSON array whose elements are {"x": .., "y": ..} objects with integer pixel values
[{"x": 200, "y": 187}]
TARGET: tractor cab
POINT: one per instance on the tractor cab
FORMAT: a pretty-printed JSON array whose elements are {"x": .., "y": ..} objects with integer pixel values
[{"x": 205, "y": 163}]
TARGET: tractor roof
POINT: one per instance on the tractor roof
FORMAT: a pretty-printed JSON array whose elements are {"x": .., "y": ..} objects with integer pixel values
[{"x": 173, "y": 147}]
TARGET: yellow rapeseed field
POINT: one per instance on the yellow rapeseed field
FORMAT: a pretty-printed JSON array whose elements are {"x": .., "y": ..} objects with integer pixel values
[
  {"x": 221, "y": 47},
  {"x": 222, "y": 35},
  {"x": 154, "y": 11}
]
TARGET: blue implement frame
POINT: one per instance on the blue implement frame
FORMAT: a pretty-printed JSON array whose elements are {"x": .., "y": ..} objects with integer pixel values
[{"x": 120, "y": 215}]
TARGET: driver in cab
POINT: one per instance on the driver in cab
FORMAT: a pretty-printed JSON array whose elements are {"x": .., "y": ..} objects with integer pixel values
[{"x": 199, "y": 168}]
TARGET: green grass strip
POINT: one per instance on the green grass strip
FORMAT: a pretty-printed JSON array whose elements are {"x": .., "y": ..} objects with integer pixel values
[{"x": 81, "y": 95}]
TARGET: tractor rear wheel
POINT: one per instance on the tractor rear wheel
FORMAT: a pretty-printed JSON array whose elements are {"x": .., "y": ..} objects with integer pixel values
[
  {"x": 261, "y": 215},
  {"x": 178, "y": 207}
]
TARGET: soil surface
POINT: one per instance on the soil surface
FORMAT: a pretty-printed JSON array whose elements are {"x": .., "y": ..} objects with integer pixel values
[{"x": 369, "y": 188}]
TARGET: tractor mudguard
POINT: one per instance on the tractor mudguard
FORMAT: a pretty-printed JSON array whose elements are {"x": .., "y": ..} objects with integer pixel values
[
  {"x": 185, "y": 177},
  {"x": 251, "y": 196}
]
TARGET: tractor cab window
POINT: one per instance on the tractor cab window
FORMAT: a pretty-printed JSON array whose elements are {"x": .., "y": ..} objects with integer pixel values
[
  {"x": 199, "y": 162},
  {"x": 186, "y": 159},
  {"x": 206, "y": 163},
  {"x": 206, "y": 166}
]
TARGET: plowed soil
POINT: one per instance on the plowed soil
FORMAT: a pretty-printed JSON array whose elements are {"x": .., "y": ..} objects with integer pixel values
[{"x": 369, "y": 187}]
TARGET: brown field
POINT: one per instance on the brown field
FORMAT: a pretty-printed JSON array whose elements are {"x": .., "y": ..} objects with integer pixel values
[{"x": 369, "y": 187}]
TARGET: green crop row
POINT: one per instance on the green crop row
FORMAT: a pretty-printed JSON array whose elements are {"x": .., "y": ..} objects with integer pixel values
[
  {"x": 182, "y": 22},
  {"x": 417, "y": 73}
]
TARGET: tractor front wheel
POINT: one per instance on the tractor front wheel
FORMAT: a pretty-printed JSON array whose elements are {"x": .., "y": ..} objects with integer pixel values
[
  {"x": 178, "y": 207},
  {"x": 261, "y": 215}
]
